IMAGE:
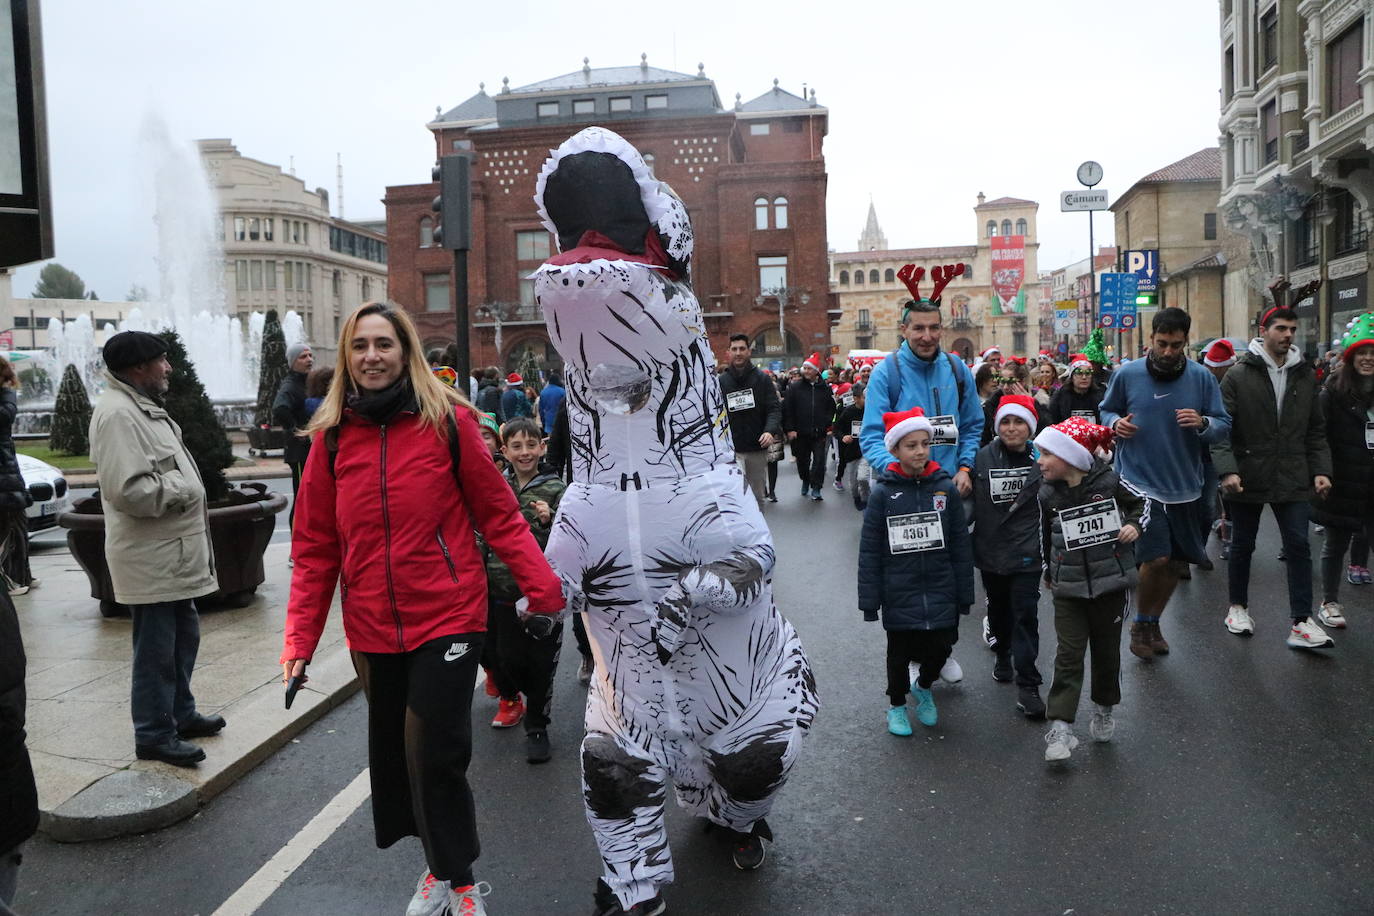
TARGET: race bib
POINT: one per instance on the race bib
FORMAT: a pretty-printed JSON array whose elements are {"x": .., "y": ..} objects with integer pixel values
[
  {"x": 1006, "y": 483},
  {"x": 847, "y": 400},
  {"x": 1087, "y": 414},
  {"x": 1369, "y": 434},
  {"x": 855, "y": 427},
  {"x": 915, "y": 532},
  {"x": 946, "y": 430},
  {"x": 1095, "y": 523},
  {"x": 740, "y": 400}
]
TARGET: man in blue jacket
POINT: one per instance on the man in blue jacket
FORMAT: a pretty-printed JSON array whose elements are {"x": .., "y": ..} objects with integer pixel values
[
  {"x": 920, "y": 374},
  {"x": 1164, "y": 410}
]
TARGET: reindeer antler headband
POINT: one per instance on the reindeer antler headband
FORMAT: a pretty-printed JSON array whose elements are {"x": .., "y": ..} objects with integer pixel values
[{"x": 911, "y": 276}]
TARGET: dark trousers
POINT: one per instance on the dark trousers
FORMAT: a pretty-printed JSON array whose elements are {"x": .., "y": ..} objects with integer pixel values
[
  {"x": 1359, "y": 549},
  {"x": 1333, "y": 555},
  {"x": 928, "y": 648},
  {"x": 14, "y": 529},
  {"x": 1014, "y": 618},
  {"x": 297, "y": 468},
  {"x": 529, "y": 664},
  {"x": 1086, "y": 625},
  {"x": 810, "y": 454},
  {"x": 491, "y": 657},
  {"x": 166, "y": 640},
  {"x": 579, "y": 629},
  {"x": 9, "y": 878},
  {"x": 1292, "y": 519},
  {"x": 419, "y": 744},
  {"x": 772, "y": 478}
]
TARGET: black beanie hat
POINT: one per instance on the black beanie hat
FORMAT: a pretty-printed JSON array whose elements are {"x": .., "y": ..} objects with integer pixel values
[{"x": 130, "y": 348}]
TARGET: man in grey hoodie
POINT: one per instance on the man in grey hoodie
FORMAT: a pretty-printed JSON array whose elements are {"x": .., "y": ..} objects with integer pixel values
[{"x": 1277, "y": 455}]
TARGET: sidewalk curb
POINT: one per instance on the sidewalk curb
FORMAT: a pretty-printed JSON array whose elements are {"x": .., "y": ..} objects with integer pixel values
[
  {"x": 83, "y": 481},
  {"x": 149, "y": 796}
]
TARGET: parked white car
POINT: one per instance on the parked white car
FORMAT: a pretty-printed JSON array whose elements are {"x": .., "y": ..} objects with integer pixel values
[{"x": 48, "y": 488}]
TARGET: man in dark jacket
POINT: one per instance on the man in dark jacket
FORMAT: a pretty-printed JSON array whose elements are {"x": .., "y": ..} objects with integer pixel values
[
  {"x": 489, "y": 393},
  {"x": 289, "y": 413},
  {"x": 18, "y": 793},
  {"x": 807, "y": 411},
  {"x": 755, "y": 414},
  {"x": 514, "y": 403},
  {"x": 1277, "y": 455}
]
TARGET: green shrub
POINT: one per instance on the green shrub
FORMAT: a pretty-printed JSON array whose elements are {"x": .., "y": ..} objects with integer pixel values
[
  {"x": 190, "y": 408},
  {"x": 71, "y": 416}
]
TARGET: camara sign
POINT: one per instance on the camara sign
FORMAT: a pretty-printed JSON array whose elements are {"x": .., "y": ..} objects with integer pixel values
[{"x": 25, "y": 204}]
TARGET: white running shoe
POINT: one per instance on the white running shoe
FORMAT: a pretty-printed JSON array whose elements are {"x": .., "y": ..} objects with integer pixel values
[
  {"x": 468, "y": 900},
  {"x": 1332, "y": 614},
  {"x": 1102, "y": 726},
  {"x": 431, "y": 896},
  {"x": 1238, "y": 621},
  {"x": 951, "y": 673},
  {"x": 1307, "y": 635},
  {"x": 1059, "y": 741}
]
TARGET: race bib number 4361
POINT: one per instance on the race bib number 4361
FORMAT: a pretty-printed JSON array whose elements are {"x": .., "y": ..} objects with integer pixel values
[
  {"x": 917, "y": 531},
  {"x": 1095, "y": 523}
]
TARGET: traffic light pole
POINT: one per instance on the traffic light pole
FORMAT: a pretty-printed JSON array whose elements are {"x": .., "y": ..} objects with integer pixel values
[
  {"x": 461, "y": 334},
  {"x": 454, "y": 206}
]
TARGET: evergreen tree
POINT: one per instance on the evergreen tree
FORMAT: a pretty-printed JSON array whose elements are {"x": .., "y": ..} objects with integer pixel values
[
  {"x": 190, "y": 408},
  {"x": 71, "y": 416},
  {"x": 57, "y": 282},
  {"x": 274, "y": 368},
  {"x": 529, "y": 371}
]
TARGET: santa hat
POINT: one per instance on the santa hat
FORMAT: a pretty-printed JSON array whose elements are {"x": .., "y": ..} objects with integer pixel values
[
  {"x": 1075, "y": 440},
  {"x": 1359, "y": 333},
  {"x": 900, "y": 424},
  {"x": 1046, "y": 354},
  {"x": 1017, "y": 405},
  {"x": 814, "y": 361},
  {"x": 842, "y": 389},
  {"x": 1220, "y": 354},
  {"x": 988, "y": 352},
  {"x": 1079, "y": 361},
  {"x": 514, "y": 379}
]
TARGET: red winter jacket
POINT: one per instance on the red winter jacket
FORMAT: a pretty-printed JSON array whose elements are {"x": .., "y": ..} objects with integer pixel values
[{"x": 392, "y": 528}]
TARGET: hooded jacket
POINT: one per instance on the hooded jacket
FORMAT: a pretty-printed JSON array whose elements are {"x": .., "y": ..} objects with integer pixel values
[
  {"x": 1006, "y": 521},
  {"x": 916, "y": 589},
  {"x": 489, "y": 397},
  {"x": 1350, "y": 504},
  {"x": 290, "y": 413},
  {"x": 808, "y": 408},
  {"x": 1090, "y": 572},
  {"x": 903, "y": 381},
  {"x": 1066, "y": 403},
  {"x": 545, "y": 485},
  {"x": 846, "y": 421},
  {"x": 1278, "y": 431},
  {"x": 14, "y": 492},
  {"x": 748, "y": 423}
]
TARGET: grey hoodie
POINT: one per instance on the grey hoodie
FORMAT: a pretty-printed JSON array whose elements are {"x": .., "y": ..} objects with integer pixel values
[{"x": 1278, "y": 375}]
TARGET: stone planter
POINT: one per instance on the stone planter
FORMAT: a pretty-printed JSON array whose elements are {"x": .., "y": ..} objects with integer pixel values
[
  {"x": 240, "y": 528},
  {"x": 263, "y": 438}
]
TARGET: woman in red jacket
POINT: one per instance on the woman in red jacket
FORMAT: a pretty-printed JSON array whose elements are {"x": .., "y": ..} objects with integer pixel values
[{"x": 387, "y": 509}]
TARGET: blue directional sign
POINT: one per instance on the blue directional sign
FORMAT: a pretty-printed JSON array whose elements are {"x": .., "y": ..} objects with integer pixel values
[
  {"x": 1118, "y": 294},
  {"x": 1144, "y": 263}
]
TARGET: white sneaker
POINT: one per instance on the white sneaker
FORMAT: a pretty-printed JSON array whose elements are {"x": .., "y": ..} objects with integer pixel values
[
  {"x": 431, "y": 896},
  {"x": 1238, "y": 621},
  {"x": 1059, "y": 741},
  {"x": 1102, "y": 726},
  {"x": 1332, "y": 614},
  {"x": 19, "y": 590},
  {"x": 1307, "y": 635},
  {"x": 468, "y": 901},
  {"x": 951, "y": 673}
]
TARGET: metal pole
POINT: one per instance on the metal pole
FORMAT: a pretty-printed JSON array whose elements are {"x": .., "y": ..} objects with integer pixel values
[
  {"x": 463, "y": 358},
  {"x": 1092, "y": 277}
]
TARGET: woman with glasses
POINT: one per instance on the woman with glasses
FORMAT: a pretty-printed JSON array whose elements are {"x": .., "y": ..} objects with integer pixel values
[
  {"x": 1012, "y": 378},
  {"x": 1080, "y": 397}
]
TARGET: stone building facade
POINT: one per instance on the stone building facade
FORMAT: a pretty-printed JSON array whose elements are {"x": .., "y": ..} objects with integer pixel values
[{"x": 752, "y": 176}]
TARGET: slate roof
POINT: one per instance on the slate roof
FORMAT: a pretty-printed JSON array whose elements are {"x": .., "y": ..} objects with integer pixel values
[
  {"x": 1204, "y": 165},
  {"x": 477, "y": 108},
  {"x": 608, "y": 76},
  {"x": 777, "y": 99}
]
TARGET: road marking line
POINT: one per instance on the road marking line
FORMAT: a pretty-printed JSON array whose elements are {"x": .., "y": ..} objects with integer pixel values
[{"x": 265, "y": 881}]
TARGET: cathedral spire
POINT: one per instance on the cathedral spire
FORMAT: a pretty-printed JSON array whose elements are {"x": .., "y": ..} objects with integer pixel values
[{"x": 872, "y": 238}]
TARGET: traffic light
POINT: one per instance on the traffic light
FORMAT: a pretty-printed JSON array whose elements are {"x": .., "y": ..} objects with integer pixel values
[{"x": 454, "y": 203}]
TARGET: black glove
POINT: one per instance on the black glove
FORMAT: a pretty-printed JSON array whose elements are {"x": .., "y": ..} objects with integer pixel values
[
  {"x": 964, "y": 609},
  {"x": 870, "y": 616}
]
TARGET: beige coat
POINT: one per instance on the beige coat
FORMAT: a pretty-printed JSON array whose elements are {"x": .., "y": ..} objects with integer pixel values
[{"x": 157, "y": 528}]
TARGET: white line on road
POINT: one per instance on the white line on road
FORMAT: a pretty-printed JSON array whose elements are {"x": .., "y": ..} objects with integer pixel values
[{"x": 273, "y": 874}]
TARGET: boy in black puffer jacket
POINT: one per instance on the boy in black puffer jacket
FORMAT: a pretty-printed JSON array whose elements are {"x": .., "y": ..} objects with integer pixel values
[
  {"x": 915, "y": 564},
  {"x": 848, "y": 422},
  {"x": 1089, "y": 521}
]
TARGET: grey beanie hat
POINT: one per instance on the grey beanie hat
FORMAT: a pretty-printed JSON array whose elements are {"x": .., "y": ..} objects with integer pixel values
[{"x": 293, "y": 353}]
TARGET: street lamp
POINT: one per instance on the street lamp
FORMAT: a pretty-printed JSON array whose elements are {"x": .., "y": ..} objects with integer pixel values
[
  {"x": 497, "y": 312},
  {"x": 784, "y": 295}
]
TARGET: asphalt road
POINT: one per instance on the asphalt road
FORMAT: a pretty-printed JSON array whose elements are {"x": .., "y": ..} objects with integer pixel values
[{"x": 1237, "y": 783}]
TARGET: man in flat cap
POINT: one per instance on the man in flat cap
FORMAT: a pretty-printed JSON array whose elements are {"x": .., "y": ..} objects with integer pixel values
[{"x": 157, "y": 544}]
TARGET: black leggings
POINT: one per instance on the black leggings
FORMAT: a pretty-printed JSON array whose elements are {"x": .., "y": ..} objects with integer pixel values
[
  {"x": 527, "y": 665},
  {"x": 14, "y": 543},
  {"x": 772, "y": 478},
  {"x": 419, "y": 744}
]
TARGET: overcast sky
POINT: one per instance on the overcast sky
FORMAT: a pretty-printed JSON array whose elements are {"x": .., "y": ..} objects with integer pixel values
[{"x": 930, "y": 102}]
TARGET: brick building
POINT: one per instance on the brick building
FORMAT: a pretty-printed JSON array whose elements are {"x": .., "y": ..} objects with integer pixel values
[{"x": 752, "y": 176}]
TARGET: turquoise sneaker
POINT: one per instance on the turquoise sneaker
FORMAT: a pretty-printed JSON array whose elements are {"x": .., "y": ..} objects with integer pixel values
[
  {"x": 925, "y": 705},
  {"x": 897, "y": 722}
]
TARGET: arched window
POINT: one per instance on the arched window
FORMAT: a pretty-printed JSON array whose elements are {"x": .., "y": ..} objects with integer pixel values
[
  {"x": 844, "y": 278},
  {"x": 780, "y": 213},
  {"x": 858, "y": 276},
  {"x": 426, "y": 233},
  {"x": 873, "y": 275},
  {"x": 889, "y": 276},
  {"x": 1020, "y": 227},
  {"x": 1006, "y": 227},
  {"x": 760, "y": 213},
  {"x": 992, "y": 228}
]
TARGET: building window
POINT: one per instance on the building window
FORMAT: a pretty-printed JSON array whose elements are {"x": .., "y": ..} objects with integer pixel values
[
  {"x": 254, "y": 229},
  {"x": 240, "y": 274},
  {"x": 338, "y": 283},
  {"x": 1269, "y": 117},
  {"x": 296, "y": 231},
  {"x": 772, "y": 272},
  {"x": 527, "y": 292},
  {"x": 1269, "y": 38},
  {"x": 858, "y": 277},
  {"x": 780, "y": 213},
  {"x": 792, "y": 126},
  {"x": 865, "y": 321},
  {"x": 760, "y": 213},
  {"x": 305, "y": 233},
  {"x": 240, "y": 229},
  {"x": 1351, "y": 235},
  {"x": 1020, "y": 227},
  {"x": 288, "y": 275},
  {"x": 1018, "y": 341},
  {"x": 1006, "y": 227},
  {"x": 1228, "y": 75},
  {"x": 622, "y": 103},
  {"x": 309, "y": 277},
  {"x": 844, "y": 278},
  {"x": 367, "y": 289},
  {"x": 255, "y": 272},
  {"x": 1306, "y": 237},
  {"x": 543, "y": 110},
  {"x": 532, "y": 246},
  {"x": 873, "y": 275},
  {"x": 436, "y": 293},
  {"x": 889, "y": 276},
  {"x": 584, "y": 106},
  {"x": 759, "y": 128},
  {"x": 269, "y": 274},
  {"x": 426, "y": 232},
  {"x": 1209, "y": 227},
  {"x": 655, "y": 101},
  {"x": 992, "y": 228},
  {"x": 267, "y": 229},
  {"x": 1343, "y": 57}
]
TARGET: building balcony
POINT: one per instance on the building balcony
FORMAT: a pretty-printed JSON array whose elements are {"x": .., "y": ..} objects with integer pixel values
[
  {"x": 863, "y": 327},
  {"x": 509, "y": 316},
  {"x": 961, "y": 324}
]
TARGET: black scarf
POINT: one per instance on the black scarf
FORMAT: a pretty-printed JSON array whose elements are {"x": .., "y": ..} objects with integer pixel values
[
  {"x": 382, "y": 406},
  {"x": 1164, "y": 375}
]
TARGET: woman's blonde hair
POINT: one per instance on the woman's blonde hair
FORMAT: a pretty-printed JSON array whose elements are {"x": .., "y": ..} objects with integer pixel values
[{"x": 435, "y": 398}]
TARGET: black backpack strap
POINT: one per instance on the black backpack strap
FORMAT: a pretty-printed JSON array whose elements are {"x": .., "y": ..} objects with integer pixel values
[
  {"x": 331, "y": 444},
  {"x": 954, "y": 363},
  {"x": 894, "y": 378}
]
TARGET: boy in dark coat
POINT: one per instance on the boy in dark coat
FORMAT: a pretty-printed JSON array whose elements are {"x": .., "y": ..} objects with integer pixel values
[
  {"x": 1090, "y": 520},
  {"x": 915, "y": 564},
  {"x": 1006, "y": 546},
  {"x": 848, "y": 424}
]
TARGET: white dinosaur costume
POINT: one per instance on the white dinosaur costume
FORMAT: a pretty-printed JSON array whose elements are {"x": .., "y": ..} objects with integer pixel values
[{"x": 699, "y": 680}]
